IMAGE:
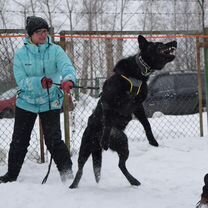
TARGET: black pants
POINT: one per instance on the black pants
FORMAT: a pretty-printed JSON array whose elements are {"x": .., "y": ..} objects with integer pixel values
[
  {"x": 24, "y": 123},
  {"x": 205, "y": 187}
]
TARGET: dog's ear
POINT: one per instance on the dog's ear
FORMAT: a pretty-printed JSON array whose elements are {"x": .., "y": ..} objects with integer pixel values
[{"x": 142, "y": 42}]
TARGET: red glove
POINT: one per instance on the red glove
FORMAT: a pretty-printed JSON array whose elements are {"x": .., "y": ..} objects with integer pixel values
[
  {"x": 67, "y": 86},
  {"x": 46, "y": 83}
]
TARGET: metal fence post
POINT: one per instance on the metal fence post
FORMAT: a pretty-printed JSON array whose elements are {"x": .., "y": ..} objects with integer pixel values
[
  {"x": 198, "y": 47},
  {"x": 97, "y": 84},
  {"x": 206, "y": 70}
]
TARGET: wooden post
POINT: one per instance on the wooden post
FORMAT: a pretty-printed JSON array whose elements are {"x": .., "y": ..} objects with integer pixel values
[
  {"x": 51, "y": 32},
  {"x": 66, "y": 120},
  {"x": 66, "y": 101},
  {"x": 62, "y": 40},
  {"x": 109, "y": 56},
  {"x": 42, "y": 157}
]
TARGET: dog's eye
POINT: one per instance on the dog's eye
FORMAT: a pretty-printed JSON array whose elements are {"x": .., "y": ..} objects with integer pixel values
[
  {"x": 152, "y": 47},
  {"x": 159, "y": 48}
]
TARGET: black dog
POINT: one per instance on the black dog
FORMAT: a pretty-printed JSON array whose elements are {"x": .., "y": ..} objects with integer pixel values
[{"x": 122, "y": 97}]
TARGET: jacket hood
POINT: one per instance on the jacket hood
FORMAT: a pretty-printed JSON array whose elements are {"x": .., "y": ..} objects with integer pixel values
[{"x": 34, "y": 48}]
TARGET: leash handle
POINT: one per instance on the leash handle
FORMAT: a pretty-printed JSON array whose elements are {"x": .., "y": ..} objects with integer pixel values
[{"x": 91, "y": 88}]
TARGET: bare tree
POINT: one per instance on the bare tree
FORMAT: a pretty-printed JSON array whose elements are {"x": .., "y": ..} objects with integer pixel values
[
  {"x": 90, "y": 9},
  {"x": 6, "y": 47},
  {"x": 119, "y": 45},
  {"x": 2, "y": 6},
  {"x": 85, "y": 64},
  {"x": 175, "y": 16},
  {"x": 153, "y": 20},
  {"x": 28, "y": 8},
  {"x": 116, "y": 15},
  {"x": 33, "y": 6},
  {"x": 47, "y": 10},
  {"x": 70, "y": 8},
  {"x": 202, "y": 7},
  {"x": 48, "y": 7},
  {"x": 24, "y": 7},
  {"x": 149, "y": 19}
]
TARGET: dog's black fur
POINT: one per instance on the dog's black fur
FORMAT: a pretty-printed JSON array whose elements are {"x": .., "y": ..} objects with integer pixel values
[{"x": 122, "y": 97}]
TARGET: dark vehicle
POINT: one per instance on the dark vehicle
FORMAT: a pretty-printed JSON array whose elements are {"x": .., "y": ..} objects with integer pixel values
[
  {"x": 7, "y": 104},
  {"x": 174, "y": 93}
]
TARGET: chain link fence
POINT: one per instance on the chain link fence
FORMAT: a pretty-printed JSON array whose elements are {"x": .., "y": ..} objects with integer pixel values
[{"x": 94, "y": 56}]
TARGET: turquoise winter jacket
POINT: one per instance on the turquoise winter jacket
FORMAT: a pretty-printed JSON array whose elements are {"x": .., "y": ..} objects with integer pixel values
[{"x": 31, "y": 64}]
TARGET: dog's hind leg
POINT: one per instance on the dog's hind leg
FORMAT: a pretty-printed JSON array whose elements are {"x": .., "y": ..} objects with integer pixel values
[
  {"x": 97, "y": 162},
  {"x": 83, "y": 156},
  {"x": 119, "y": 143},
  {"x": 84, "y": 153}
]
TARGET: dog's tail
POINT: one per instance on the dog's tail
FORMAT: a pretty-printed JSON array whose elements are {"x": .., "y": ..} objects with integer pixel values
[{"x": 97, "y": 163}]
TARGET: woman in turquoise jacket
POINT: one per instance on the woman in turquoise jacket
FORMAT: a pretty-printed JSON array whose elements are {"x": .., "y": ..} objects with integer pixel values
[{"x": 37, "y": 65}]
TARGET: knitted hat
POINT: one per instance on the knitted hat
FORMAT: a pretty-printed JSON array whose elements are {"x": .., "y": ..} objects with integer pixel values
[{"x": 35, "y": 23}]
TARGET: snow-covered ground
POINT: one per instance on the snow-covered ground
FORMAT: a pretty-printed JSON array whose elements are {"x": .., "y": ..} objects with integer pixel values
[{"x": 171, "y": 176}]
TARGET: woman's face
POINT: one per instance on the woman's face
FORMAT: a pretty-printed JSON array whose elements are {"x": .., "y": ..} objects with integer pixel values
[{"x": 39, "y": 36}]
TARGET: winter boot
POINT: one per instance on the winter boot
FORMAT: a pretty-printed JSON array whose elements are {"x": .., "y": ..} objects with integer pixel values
[
  {"x": 66, "y": 175},
  {"x": 203, "y": 203},
  {"x": 6, "y": 178}
]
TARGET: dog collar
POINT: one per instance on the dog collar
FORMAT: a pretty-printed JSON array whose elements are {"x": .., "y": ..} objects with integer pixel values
[{"x": 143, "y": 66}]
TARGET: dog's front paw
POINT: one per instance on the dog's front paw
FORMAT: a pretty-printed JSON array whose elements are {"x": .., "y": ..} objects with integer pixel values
[
  {"x": 73, "y": 186},
  {"x": 153, "y": 142},
  {"x": 135, "y": 182}
]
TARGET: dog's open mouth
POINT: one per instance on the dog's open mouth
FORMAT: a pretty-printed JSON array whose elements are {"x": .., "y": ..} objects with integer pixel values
[{"x": 169, "y": 49}]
